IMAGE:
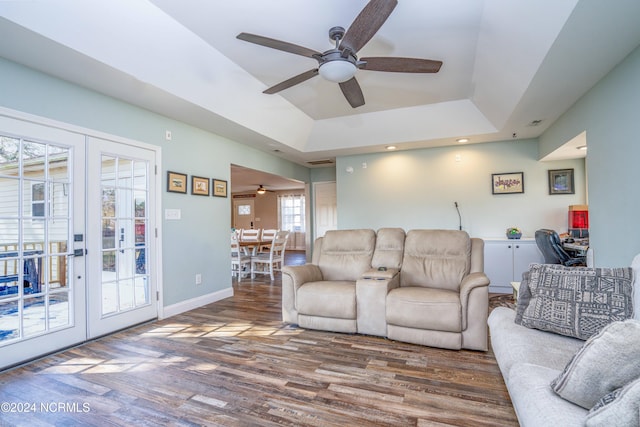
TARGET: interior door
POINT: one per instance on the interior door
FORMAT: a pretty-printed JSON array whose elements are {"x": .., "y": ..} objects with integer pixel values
[
  {"x": 120, "y": 236},
  {"x": 42, "y": 285},
  {"x": 326, "y": 217}
]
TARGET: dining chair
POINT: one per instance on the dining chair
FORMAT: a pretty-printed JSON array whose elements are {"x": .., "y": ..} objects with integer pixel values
[
  {"x": 250, "y": 235},
  {"x": 267, "y": 235},
  {"x": 269, "y": 262},
  {"x": 240, "y": 262}
]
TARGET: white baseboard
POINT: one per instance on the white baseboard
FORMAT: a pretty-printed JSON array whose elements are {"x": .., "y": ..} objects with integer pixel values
[{"x": 193, "y": 303}]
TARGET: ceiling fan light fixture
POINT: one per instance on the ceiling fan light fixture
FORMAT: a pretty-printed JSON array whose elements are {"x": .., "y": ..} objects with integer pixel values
[
  {"x": 338, "y": 70},
  {"x": 261, "y": 190}
]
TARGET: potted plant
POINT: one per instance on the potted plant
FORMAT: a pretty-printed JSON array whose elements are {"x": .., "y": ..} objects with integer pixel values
[{"x": 514, "y": 233}]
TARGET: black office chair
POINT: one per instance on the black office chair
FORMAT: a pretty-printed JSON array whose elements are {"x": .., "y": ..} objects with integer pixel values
[{"x": 549, "y": 244}]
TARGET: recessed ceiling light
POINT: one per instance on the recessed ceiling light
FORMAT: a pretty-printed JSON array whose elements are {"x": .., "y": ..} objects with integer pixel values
[
  {"x": 581, "y": 147},
  {"x": 461, "y": 140},
  {"x": 390, "y": 147}
]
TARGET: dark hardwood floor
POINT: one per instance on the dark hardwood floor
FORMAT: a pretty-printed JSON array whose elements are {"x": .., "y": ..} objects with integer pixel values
[{"x": 233, "y": 363}]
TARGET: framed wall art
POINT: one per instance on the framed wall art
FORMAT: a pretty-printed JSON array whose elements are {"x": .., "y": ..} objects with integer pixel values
[
  {"x": 219, "y": 188},
  {"x": 561, "y": 181},
  {"x": 176, "y": 182},
  {"x": 507, "y": 183},
  {"x": 199, "y": 186}
]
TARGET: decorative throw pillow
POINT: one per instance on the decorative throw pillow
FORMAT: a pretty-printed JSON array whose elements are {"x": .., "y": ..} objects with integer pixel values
[
  {"x": 577, "y": 301},
  {"x": 524, "y": 297},
  {"x": 618, "y": 408},
  {"x": 606, "y": 362}
]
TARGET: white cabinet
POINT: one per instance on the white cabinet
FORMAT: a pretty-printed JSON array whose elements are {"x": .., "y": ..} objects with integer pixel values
[{"x": 505, "y": 260}]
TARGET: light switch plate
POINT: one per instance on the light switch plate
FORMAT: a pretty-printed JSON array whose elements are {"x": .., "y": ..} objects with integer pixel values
[{"x": 172, "y": 214}]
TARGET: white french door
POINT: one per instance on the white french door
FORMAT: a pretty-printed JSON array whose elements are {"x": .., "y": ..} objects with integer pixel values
[
  {"x": 77, "y": 236},
  {"x": 120, "y": 236},
  {"x": 42, "y": 283}
]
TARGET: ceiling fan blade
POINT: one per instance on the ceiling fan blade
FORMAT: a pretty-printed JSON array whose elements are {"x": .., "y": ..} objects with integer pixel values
[
  {"x": 292, "y": 81},
  {"x": 401, "y": 65},
  {"x": 367, "y": 24},
  {"x": 353, "y": 93},
  {"x": 278, "y": 44}
]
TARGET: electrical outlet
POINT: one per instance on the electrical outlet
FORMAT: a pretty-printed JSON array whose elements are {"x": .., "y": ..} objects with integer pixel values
[{"x": 198, "y": 279}]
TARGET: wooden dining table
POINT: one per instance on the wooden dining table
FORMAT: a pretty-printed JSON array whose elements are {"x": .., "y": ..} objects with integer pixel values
[{"x": 253, "y": 245}]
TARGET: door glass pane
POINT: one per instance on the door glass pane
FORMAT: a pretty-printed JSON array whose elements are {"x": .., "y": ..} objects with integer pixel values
[
  {"x": 140, "y": 175},
  {"x": 109, "y": 297},
  {"x": 126, "y": 233},
  {"x": 108, "y": 233},
  {"x": 34, "y": 202},
  {"x": 59, "y": 310},
  {"x": 125, "y": 263},
  {"x": 125, "y": 173},
  {"x": 59, "y": 200},
  {"x": 9, "y": 320},
  {"x": 58, "y": 163},
  {"x": 124, "y": 205},
  {"x": 108, "y": 172},
  {"x": 58, "y": 270},
  {"x": 126, "y": 294},
  {"x": 108, "y": 265},
  {"x": 34, "y": 159},
  {"x": 34, "y": 316},
  {"x": 108, "y": 202},
  {"x": 10, "y": 191},
  {"x": 140, "y": 204},
  {"x": 9, "y": 156},
  {"x": 9, "y": 230},
  {"x": 33, "y": 235},
  {"x": 141, "y": 291}
]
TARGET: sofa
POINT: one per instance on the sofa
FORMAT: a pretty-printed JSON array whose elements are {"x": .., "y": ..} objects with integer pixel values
[
  {"x": 424, "y": 287},
  {"x": 540, "y": 358}
]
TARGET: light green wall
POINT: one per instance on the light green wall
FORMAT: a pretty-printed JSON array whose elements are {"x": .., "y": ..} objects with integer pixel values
[
  {"x": 199, "y": 243},
  {"x": 610, "y": 114},
  {"x": 418, "y": 188}
]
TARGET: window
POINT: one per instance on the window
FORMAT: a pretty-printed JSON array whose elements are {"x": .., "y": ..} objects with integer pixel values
[
  {"x": 244, "y": 209},
  {"x": 292, "y": 212}
]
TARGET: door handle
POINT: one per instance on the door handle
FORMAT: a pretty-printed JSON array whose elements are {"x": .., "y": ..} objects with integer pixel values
[{"x": 78, "y": 253}]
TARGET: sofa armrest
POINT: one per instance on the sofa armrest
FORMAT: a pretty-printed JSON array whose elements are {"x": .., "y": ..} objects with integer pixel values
[
  {"x": 377, "y": 274},
  {"x": 293, "y": 276},
  {"x": 371, "y": 302},
  {"x": 300, "y": 274},
  {"x": 469, "y": 283}
]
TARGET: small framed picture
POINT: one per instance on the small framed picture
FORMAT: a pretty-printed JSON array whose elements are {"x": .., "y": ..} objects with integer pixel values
[
  {"x": 507, "y": 183},
  {"x": 219, "y": 188},
  {"x": 561, "y": 181},
  {"x": 199, "y": 186},
  {"x": 176, "y": 182}
]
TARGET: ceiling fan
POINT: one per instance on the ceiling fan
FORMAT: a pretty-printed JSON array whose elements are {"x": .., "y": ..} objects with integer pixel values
[
  {"x": 262, "y": 190},
  {"x": 340, "y": 64}
]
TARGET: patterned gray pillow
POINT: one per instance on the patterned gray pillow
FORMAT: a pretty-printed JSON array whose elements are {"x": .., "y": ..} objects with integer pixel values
[
  {"x": 577, "y": 301},
  {"x": 618, "y": 408},
  {"x": 524, "y": 297}
]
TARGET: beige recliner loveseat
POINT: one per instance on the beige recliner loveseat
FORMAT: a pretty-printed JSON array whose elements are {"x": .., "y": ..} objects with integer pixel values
[{"x": 426, "y": 287}]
